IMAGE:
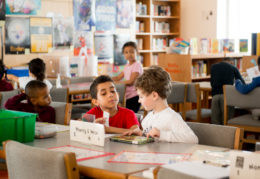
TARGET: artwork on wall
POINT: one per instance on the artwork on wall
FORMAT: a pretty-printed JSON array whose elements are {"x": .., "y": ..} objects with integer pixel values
[
  {"x": 41, "y": 34},
  {"x": 2, "y": 9},
  {"x": 17, "y": 35},
  {"x": 105, "y": 15},
  {"x": 28, "y": 7},
  {"x": 104, "y": 46},
  {"x": 125, "y": 13},
  {"x": 84, "y": 14},
  {"x": 119, "y": 41},
  {"x": 63, "y": 31},
  {"x": 83, "y": 43}
]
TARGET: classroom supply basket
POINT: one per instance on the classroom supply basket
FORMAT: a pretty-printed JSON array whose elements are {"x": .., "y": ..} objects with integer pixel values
[{"x": 16, "y": 125}]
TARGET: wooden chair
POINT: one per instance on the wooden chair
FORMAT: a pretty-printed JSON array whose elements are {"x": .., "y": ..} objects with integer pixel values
[
  {"x": 121, "y": 92},
  {"x": 217, "y": 135},
  {"x": 26, "y": 162},
  {"x": 194, "y": 96},
  {"x": 5, "y": 95},
  {"x": 177, "y": 98},
  {"x": 62, "y": 112},
  {"x": 249, "y": 101}
]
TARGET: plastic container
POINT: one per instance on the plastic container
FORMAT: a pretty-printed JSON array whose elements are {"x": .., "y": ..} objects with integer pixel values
[{"x": 16, "y": 125}]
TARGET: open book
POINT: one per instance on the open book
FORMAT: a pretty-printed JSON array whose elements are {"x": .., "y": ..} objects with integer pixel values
[{"x": 132, "y": 139}]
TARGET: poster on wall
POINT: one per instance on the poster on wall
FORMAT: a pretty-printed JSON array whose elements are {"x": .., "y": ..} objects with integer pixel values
[
  {"x": 84, "y": 14},
  {"x": 41, "y": 34},
  {"x": 83, "y": 43},
  {"x": 17, "y": 35},
  {"x": 2, "y": 9},
  {"x": 119, "y": 41},
  {"x": 63, "y": 32},
  {"x": 18, "y": 7},
  {"x": 105, "y": 15},
  {"x": 104, "y": 46},
  {"x": 125, "y": 13}
]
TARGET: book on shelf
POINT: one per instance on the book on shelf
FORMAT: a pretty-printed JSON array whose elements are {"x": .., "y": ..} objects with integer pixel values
[
  {"x": 161, "y": 27},
  {"x": 132, "y": 139},
  {"x": 254, "y": 44},
  {"x": 139, "y": 44},
  {"x": 228, "y": 45},
  {"x": 161, "y": 10},
  {"x": 243, "y": 45},
  {"x": 199, "y": 69},
  {"x": 204, "y": 46},
  {"x": 155, "y": 59},
  {"x": 141, "y": 9},
  {"x": 214, "y": 46},
  {"x": 193, "y": 46},
  {"x": 160, "y": 43}
]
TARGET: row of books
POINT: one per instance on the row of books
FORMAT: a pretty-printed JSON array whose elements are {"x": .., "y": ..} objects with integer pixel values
[
  {"x": 199, "y": 69},
  {"x": 161, "y": 10},
  {"x": 141, "y": 9},
  {"x": 161, "y": 27},
  {"x": 160, "y": 43},
  {"x": 206, "y": 46},
  {"x": 139, "y": 26},
  {"x": 155, "y": 59}
]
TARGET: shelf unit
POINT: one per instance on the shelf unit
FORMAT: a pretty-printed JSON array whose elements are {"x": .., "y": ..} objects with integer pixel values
[
  {"x": 157, "y": 21},
  {"x": 180, "y": 67}
]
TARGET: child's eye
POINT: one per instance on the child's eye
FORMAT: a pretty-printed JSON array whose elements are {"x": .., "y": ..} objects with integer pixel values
[
  {"x": 113, "y": 91},
  {"x": 103, "y": 94}
]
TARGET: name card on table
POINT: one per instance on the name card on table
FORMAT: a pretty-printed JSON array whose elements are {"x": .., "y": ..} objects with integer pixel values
[
  {"x": 244, "y": 165},
  {"x": 89, "y": 133}
]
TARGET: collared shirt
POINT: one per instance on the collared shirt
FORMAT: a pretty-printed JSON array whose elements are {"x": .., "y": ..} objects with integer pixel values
[{"x": 45, "y": 114}]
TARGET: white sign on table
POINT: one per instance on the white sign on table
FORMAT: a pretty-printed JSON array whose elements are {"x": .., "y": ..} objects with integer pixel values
[
  {"x": 89, "y": 133},
  {"x": 244, "y": 165}
]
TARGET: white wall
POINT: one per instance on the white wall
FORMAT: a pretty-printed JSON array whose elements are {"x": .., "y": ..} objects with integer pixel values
[{"x": 196, "y": 20}]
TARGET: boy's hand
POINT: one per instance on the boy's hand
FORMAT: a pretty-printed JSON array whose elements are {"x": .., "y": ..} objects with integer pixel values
[
  {"x": 136, "y": 131},
  {"x": 153, "y": 133},
  {"x": 100, "y": 120}
]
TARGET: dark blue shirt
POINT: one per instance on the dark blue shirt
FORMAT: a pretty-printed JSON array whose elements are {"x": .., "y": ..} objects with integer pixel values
[{"x": 246, "y": 88}]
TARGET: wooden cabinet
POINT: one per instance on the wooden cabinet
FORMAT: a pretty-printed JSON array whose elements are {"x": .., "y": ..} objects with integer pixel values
[
  {"x": 157, "y": 22},
  {"x": 194, "y": 68}
]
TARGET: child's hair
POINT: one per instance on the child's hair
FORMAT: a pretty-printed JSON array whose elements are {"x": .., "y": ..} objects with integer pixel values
[
  {"x": 37, "y": 68},
  {"x": 2, "y": 69},
  {"x": 155, "y": 79},
  {"x": 258, "y": 60},
  {"x": 96, "y": 82},
  {"x": 129, "y": 44},
  {"x": 31, "y": 89}
]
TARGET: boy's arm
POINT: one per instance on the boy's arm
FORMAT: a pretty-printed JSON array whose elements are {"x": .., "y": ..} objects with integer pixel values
[
  {"x": 246, "y": 88},
  {"x": 117, "y": 130},
  {"x": 15, "y": 102}
]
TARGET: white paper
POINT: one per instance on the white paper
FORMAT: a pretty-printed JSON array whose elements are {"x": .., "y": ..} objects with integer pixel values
[
  {"x": 106, "y": 116},
  {"x": 253, "y": 72},
  {"x": 198, "y": 169},
  {"x": 89, "y": 133},
  {"x": 244, "y": 165}
]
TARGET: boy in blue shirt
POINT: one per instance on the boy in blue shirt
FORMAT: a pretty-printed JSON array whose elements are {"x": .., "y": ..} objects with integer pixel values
[{"x": 246, "y": 88}]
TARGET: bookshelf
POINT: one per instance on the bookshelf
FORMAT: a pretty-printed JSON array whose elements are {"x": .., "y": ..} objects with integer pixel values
[
  {"x": 195, "y": 68},
  {"x": 157, "y": 21}
]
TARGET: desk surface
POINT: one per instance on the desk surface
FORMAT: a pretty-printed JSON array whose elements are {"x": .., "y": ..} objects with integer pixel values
[{"x": 122, "y": 169}]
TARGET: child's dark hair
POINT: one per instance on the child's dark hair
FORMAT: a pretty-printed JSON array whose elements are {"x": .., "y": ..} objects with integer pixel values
[
  {"x": 258, "y": 60},
  {"x": 129, "y": 44},
  {"x": 31, "y": 89},
  {"x": 37, "y": 68},
  {"x": 2, "y": 69},
  {"x": 96, "y": 82},
  {"x": 156, "y": 79}
]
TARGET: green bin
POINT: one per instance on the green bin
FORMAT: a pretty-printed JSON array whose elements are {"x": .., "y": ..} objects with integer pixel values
[{"x": 16, "y": 125}]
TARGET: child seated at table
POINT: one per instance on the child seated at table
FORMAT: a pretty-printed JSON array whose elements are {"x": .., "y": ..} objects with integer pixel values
[
  {"x": 4, "y": 85},
  {"x": 105, "y": 97},
  {"x": 38, "y": 101},
  {"x": 153, "y": 88}
]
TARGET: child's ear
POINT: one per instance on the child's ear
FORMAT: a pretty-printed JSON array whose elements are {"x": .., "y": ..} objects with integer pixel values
[
  {"x": 155, "y": 95},
  {"x": 95, "y": 102}
]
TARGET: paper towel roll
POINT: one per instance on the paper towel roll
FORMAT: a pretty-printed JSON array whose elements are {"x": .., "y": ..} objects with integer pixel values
[{"x": 91, "y": 67}]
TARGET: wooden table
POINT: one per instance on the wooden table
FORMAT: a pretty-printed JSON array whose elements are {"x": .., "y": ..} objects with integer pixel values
[
  {"x": 78, "y": 89},
  {"x": 100, "y": 168}
]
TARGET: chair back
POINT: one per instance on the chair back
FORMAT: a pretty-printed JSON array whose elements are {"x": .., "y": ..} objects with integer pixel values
[
  {"x": 193, "y": 93},
  {"x": 26, "y": 162},
  {"x": 5, "y": 95},
  {"x": 216, "y": 135},
  {"x": 121, "y": 92},
  {"x": 139, "y": 118},
  {"x": 59, "y": 94},
  {"x": 84, "y": 79},
  {"x": 62, "y": 81},
  {"x": 62, "y": 112}
]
